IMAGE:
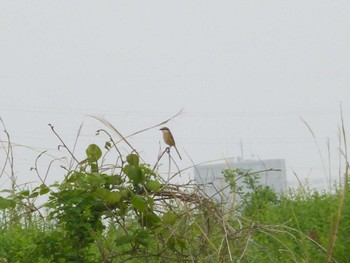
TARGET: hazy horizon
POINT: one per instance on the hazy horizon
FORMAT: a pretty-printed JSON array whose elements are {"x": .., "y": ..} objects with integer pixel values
[{"x": 244, "y": 73}]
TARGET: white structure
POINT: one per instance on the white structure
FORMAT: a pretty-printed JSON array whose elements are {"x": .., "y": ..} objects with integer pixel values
[{"x": 272, "y": 173}]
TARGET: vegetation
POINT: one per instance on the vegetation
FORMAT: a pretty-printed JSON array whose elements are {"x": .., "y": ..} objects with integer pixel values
[{"x": 126, "y": 212}]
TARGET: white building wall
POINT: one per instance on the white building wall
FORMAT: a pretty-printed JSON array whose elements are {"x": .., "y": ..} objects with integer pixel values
[{"x": 212, "y": 181}]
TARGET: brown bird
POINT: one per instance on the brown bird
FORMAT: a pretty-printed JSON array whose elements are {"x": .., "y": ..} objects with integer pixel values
[{"x": 169, "y": 139}]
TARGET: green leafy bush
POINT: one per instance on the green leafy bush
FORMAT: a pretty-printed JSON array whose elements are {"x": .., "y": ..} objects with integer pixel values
[{"x": 130, "y": 214}]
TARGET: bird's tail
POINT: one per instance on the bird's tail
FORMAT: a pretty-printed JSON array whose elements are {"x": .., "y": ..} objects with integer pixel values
[{"x": 177, "y": 152}]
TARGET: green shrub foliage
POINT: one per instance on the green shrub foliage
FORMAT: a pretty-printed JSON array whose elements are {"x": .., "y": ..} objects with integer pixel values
[{"x": 130, "y": 214}]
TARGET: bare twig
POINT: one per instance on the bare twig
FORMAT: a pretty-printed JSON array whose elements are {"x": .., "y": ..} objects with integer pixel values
[
  {"x": 157, "y": 125},
  {"x": 110, "y": 126},
  {"x": 35, "y": 168},
  {"x": 111, "y": 140},
  {"x": 63, "y": 144},
  {"x": 74, "y": 146},
  {"x": 9, "y": 157}
]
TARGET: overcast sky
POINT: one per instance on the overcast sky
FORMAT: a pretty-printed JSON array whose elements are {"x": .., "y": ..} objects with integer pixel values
[{"x": 241, "y": 70}]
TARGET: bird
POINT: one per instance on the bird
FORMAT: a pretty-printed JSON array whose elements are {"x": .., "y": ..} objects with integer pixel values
[{"x": 169, "y": 139}]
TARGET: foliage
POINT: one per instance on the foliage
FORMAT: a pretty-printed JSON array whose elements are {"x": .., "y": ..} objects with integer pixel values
[
  {"x": 295, "y": 226},
  {"x": 130, "y": 214}
]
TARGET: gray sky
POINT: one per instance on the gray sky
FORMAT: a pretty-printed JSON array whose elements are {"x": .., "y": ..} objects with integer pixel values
[{"x": 241, "y": 70}]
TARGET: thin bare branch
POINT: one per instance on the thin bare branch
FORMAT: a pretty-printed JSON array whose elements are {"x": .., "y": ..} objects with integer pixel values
[{"x": 63, "y": 144}]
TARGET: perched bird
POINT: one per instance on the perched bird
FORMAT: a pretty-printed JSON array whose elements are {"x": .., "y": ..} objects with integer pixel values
[{"x": 169, "y": 139}]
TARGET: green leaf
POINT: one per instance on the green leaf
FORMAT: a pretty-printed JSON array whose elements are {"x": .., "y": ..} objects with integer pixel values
[
  {"x": 150, "y": 202},
  {"x": 169, "y": 218},
  {"x": 123, "y": 240},
  {"x": 107, "y": 196},
  {"x": 125, "y": 193},
  {"x": 113, "y": 197},
  {"x": 181, "y": 243},
  {"x": 95, "y": 180},
  {"x": 142, "y": 238},
  {"x": 171, "y": 243},
  {"x": 149, "y": 220},
  {"x": 138, "y": 203},
  {"x": 33, "y": 195},
  {"x": 6, "y": 203},
  {"x": 44, "y": 189},
  {"x": 94, "y": 167},
  {"x": 24, "y": 193},
  {"x": 134, "y": 173},
  {"x": 93, "y": 153},
  {"x": 154, "y": 186},
  {"x": 133, "y": 159},
  {"x": 114, "y": 180}
]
